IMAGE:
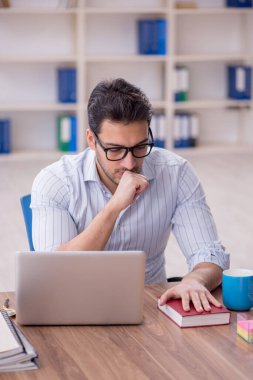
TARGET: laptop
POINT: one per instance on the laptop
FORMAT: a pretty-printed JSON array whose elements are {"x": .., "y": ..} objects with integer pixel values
[{"x": 80, "y": 288}]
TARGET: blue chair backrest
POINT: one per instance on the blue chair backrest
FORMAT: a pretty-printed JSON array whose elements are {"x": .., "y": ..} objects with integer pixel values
[{"x": 27, "y": 213}]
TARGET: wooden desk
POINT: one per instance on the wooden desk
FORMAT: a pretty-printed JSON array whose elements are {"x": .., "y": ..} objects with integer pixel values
[{"x": 157, "y": 349}]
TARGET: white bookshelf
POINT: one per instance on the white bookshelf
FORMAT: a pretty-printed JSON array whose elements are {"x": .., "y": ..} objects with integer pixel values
[
  {"x": 208, "y": 104},
  {"x": 99, "y": 38}
]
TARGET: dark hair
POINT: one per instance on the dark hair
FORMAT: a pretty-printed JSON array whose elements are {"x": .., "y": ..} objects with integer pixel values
[{"x": 117, "y": 100}]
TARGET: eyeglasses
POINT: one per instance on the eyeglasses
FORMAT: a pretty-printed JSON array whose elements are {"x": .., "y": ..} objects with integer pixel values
[{"x": 117, "y": 153}]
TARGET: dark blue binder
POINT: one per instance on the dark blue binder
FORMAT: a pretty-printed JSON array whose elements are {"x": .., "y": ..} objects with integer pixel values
[
  {"x": 73, "y": 140},
  {"x": 159, "y": 143},
  {"x": 152, "y": 36},
  {"x": 5, "y": 136},
  {"x": 185, "y": 138},
  {"x": 144, "y": 36},
  {"x": 239, "y": 83},
  {"x": 67, "y": 85},
  {"x": 159, "y": 38},
  {"x": 239, "y": 3},
  {"x": 159, "y": 129}
]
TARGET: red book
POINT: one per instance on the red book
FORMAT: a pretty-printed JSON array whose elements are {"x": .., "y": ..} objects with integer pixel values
[{"x": 174, "y": 310}]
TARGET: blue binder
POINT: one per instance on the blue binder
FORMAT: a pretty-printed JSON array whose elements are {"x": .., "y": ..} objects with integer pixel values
[
  {"x": 239, "y": 82},
  {"x": 158, "y": 126},
  {"x": 5, "y": 136},
  {"x": 67, "y": 85},
  {"x": 239, "y": 3},
  {"x": 73, "y": 141},
  {"x": 185, "y": 136},
  {"x": 152, "y": 36}
]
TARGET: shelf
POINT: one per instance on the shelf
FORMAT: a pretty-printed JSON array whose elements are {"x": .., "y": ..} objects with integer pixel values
[
  {"x": 126, "y": 58},
  {"x": 34, "y": 59},
  {"x": 201, "y": 104},
  {"x": 206, "y": 149},
  {"x": 210, "y": 11},
  {"x": 39, "y": 107},
  {"x": 122, "y": 10},
  {"x": 58, "y": 11},
  {"x": 210, "y": 57},
  {"x": 39, "y": 11},
  {"x": 158, "y": 104}
]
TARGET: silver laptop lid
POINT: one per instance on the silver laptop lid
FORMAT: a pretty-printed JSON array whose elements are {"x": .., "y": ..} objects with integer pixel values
[{"x": 79, "y": 288}]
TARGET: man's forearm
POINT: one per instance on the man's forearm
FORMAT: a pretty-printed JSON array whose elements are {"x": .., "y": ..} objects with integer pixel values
[
  {"x": 207, "y": 274},
  {"x": 96, "y": 235}
]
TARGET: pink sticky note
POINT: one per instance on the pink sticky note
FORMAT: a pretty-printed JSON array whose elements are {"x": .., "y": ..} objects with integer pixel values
[{"x": 245, "y": 329}]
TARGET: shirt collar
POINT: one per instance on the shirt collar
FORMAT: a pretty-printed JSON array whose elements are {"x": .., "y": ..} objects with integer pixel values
[{"x": 89, "y": 167}]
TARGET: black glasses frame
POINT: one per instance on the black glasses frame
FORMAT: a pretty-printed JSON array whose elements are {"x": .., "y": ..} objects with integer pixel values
[{"x": 130, "y": 149}]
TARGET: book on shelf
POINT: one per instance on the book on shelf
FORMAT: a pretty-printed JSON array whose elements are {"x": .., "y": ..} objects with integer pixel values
[
  {"x": 239, "y": 82},
  {"x": 66, "y": 85},
  {"x": 158, "y": 127},
  {"x": 239, "y": 3},
  {"x": 152, "y": 36},
  {"x": 5, "y": 136},
  {"x": 174, "y": 310},
  {"x": 67, "y": 133},
  {"x": 185, "y": 129},
  {"x": 16, "y": 352},
  {"x": 181, "y": 83}
]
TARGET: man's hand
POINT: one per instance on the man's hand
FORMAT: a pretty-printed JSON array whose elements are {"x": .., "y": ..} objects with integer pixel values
[
  {"x": 191, "y": 290},
  {"x": 195, "y": 287},
  {"x": 129, "y": 187}
]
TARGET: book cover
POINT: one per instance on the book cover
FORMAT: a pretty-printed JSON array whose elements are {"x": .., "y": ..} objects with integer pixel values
[
  {"x": 239, "y": 82},
  {"x": 67, "y": 85},
  {"x": 152, "y": 36},
  {"x": 5, "y": 136},
  {"x": 182, "y": 84},
  {"x": 16, "y": 352},
  {"x": 174, "y": 310},
  {"x": 194, "y": 130},
  {"x": 239, "y": 3},
  {"x": 159, "y": 36},
  {"x": 185, "y": 129},
  {"x": 158, "y": 127},
  {"x": 10, "y": 343},
  {"x": 67, "y": 133}
]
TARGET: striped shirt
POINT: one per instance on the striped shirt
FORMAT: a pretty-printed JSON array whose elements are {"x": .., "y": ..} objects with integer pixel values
[{"x": 68, "y": 194}]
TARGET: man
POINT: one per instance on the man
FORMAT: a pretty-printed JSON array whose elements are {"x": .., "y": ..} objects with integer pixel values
[{"x": 123, "y": 194}]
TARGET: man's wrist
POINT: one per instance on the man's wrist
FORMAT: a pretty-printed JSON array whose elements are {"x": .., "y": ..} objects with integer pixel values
[
  {"x": 113, "y": 208},
  {"x": 191, "y": 278}
]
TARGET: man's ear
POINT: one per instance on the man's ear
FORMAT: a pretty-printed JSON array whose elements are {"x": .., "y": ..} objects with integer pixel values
[{"x": 90, "y": 139}]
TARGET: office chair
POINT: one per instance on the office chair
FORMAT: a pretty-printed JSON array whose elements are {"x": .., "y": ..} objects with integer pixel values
[{"x": 27, "y": 213}]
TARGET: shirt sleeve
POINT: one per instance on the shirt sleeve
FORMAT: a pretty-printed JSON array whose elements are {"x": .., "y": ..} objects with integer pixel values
[
  {"x": 52, "y": 224},
  {"x": 193, "y": 224}
]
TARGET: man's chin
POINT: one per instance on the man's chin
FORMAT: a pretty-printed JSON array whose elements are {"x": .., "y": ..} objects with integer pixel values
[{"x": 117, "y": 177}]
